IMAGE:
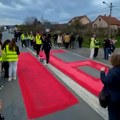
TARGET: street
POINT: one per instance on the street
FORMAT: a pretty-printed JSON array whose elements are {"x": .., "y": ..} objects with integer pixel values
[{"x": 87, "y": 108}]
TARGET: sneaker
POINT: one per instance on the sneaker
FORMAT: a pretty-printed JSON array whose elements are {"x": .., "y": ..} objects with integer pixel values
[
  {"x": 38, "y": 58},
  {"x": 14, "y": 78},
  {"x": 9, "y": 79},
  {"x": 1, "y": 86},
  {"x": 45, "y": 64}
]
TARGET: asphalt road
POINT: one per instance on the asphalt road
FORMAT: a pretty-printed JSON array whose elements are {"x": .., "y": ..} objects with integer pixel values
[{"x": 14, "y": 108}]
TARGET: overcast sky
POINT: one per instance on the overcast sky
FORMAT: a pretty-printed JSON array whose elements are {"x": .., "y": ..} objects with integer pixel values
[{"x": 16, "y": 11}]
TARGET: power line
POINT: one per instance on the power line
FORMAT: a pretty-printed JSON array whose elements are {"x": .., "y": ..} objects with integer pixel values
[
  {"x": 93, "y": 13},
  {"x": 88, "y": 14},
  {"x": 102, "y": 10}
]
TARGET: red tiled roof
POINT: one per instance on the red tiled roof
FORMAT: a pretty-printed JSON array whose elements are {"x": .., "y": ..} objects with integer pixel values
[{"x": 114, "y": 21}]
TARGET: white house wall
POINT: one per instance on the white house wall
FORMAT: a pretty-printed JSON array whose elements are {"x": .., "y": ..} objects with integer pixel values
[
  {"x": 84, "y": 21},
  {"x": 100, "y": 24}
]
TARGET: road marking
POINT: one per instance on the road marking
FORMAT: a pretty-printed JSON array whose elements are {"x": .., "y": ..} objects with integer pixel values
[
  {"x": 89, "y": 98},
  {"x": 88, "y": 58}
]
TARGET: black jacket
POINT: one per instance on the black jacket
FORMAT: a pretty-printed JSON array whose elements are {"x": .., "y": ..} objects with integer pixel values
[
  {"x": 46, "y": 44},
  {"x": 111, "y": 83}
]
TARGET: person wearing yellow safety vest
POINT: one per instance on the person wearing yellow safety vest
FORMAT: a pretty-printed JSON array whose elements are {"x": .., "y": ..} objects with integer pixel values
[
  {"x": 23, "y": 39},
  {"x": 97, "y": 46},
  {"x": 27, "y": 35},
  {"x": 12, "y": 52},
  {"x": 1, "y": 86},
  {"x": 31, "y": 37},
  {"x": 38, "y": 41},
  {"x": 92, "y": 47},
  {"x": 0, "y": 58},
  {"x": 5, "y": 63}
]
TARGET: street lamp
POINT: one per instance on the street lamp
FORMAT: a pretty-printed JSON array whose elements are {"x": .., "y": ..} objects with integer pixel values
[{"x": 109, "y": 26}]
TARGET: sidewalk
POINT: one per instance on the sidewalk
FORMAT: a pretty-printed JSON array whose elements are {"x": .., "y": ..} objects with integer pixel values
[{"x": 86, "y": 53}]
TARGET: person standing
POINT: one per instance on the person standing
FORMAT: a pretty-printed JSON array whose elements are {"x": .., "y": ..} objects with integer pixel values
[
  {"x": 111, "y": 82},
  {"x": 97, "y": 46},
  {"x": 1, "y": 86},
  {"x": 72, "y": 41},
  {"x": 92, "y": 47},
  {"x": 80, "y": 40},
  {"x": 5, "y": 63},
  {"x": 0, "y": 58},
  {"x": 107, "y": 48},
  {"x": 55, "y": 36},
  {"x": 113, "y": 42},
  {"x": 23, "y": 40},
  {"x": 66, "y": 38},
  {"x": 1, "y": 36},
  {"x": 27, "y": 39},
  {"x": 46, "y": 47},
  {"x": 59, "y": 40},
  {"x": 31, "y": 39},
  {"x": 12, "y": 52},
  {"x": 38, "y": 42}
]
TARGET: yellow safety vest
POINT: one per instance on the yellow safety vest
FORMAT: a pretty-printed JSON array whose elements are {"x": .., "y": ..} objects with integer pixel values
[
  {"x": 38, "y": 39},
  {"x": 22, "y": 37},
  {"x": 1, "y": 53},
  {"x": 92, "y": 43},
  {"x": 11, "y": 55},
  {"x": 31, "y": 37},
  {"x": 4, "y": 55}
]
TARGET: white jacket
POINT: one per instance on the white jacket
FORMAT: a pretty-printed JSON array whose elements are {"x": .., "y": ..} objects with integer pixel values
[{"x": 59, "y": 39}]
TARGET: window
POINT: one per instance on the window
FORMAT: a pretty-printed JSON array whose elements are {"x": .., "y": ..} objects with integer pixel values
[
  {"x": 99, "y": 19},
  {"x": 95, "y": 25}
]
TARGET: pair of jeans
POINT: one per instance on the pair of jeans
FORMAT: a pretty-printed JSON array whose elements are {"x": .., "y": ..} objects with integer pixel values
[
  {"x": 106, "y": 52},
  {"x": 12, "y": 69}
]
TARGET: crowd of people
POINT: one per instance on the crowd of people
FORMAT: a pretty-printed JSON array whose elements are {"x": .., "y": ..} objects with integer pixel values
[
  {"x": 60, "y": 40},
  {"x": 108, "y": 47},
  {"x": 41, "y": 42}
]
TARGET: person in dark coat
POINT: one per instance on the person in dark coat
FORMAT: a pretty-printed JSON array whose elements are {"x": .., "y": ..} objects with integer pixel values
[
  {"x": 106, "y": 47},
  {"x": 55, "y": 36},
  {"x": 1, "y": 36},
  {"x": 5, "y": 63},
  {"x": 80, "y": 40},
  {"x": 111, "y": 82},
  {"x": 46, "y": 47}
]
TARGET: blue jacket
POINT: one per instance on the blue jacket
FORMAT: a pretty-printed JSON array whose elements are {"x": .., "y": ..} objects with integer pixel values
[{"x": 111, "y": 83}]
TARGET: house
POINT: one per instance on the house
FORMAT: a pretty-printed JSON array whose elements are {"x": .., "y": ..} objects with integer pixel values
[
  {"x": 80, "y": 19},
  {"x": 104, "y": 21}
]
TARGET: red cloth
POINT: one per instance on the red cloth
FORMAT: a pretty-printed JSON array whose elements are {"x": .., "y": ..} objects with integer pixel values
[{"x": 42, "y": 92}]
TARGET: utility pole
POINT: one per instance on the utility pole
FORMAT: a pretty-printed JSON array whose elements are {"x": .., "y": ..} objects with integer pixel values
[{"x": 109, "y": 22}]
